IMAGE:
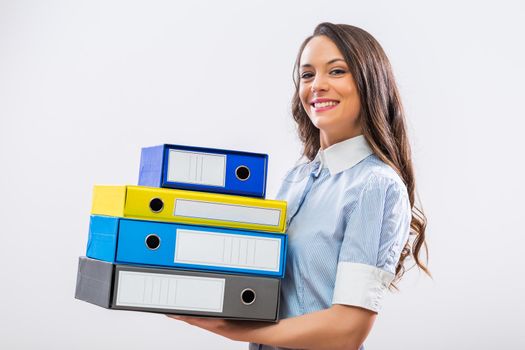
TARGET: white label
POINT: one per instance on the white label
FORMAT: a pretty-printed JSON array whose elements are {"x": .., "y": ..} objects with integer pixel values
[
  {"x": 227, "y": 212},
  {"x": 163, "y": 291},
  {"x": 197, "y": 168},
  {"x": 228, "y": 250}
]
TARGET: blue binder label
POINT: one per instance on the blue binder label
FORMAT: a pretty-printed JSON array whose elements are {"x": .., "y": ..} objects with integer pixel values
[
  {"x": 196, "y": 168},
  {"x": 228, "y": 250}
]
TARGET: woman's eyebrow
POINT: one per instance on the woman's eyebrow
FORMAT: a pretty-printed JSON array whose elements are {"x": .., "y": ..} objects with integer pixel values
[{"x": 327, "y": 63}]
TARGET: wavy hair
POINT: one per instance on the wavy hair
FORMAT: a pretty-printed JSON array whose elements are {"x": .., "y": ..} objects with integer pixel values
[{"x": 382, "y": 120}]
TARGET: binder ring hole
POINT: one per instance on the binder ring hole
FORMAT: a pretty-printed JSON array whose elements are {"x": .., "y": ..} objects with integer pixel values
[
  {"x": 152, "y": 241},
  {"x": 248, "y": 296},
  {"x": 242, "y": 172},
  {"x": 156, "y": 205}
]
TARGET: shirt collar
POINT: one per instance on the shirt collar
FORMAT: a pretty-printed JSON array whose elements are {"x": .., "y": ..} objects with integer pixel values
[{"x": 345, "y": 154}]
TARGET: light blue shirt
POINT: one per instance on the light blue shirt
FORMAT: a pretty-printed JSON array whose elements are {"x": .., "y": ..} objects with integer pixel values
[{"x": 348, "y": 219}]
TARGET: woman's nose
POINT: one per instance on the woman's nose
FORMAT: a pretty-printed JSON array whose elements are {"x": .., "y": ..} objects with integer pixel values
[{"x": 319, "y": 84}]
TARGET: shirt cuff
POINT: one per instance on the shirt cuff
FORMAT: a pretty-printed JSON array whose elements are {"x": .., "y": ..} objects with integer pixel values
[{"x": 361, "y": 285}]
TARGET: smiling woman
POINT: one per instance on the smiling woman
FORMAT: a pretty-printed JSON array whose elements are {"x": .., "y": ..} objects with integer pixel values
[{"x": 351, "y": 206}]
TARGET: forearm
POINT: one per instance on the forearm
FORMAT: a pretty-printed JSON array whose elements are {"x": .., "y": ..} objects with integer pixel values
[{"x": 326, "y": 329}]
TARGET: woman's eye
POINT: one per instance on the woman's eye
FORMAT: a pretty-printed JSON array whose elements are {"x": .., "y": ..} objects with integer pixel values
[
  {"x": 338, "y": 72},
  {"x": 306, "y": 75}
]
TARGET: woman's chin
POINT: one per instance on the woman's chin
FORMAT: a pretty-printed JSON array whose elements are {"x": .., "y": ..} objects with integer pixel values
[
  {"x": 324, "y": 123},
  {"x": 321, "y": 121}
]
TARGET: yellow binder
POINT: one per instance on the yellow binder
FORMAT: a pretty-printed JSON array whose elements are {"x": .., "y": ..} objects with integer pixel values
[{"x": 190, "y": 207}]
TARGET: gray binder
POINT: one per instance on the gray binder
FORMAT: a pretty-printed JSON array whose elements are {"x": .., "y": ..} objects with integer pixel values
[{"x": 172, "y": 291}]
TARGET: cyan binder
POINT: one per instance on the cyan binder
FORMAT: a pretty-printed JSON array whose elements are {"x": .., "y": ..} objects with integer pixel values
[
  {"x": 171, "y": 245},
  {"x": 204, "y": 169},
  {"x": 169, "y": 291}
]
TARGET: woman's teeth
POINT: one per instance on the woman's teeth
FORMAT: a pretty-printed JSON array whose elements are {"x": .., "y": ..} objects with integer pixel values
[{"x": 325, "y": 104}]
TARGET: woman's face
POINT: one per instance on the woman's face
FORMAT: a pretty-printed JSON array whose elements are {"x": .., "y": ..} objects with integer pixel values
[{"x": 328, "y": 92}]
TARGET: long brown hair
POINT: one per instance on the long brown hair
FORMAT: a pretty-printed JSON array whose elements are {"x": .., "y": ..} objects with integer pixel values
[{"x": 382, "y": 119}]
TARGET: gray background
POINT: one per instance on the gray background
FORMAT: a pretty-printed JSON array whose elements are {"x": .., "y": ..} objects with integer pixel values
[{"x": 84, "y": 85}]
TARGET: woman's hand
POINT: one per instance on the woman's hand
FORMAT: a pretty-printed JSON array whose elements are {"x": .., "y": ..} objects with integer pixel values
[{"x": 234, "y": 330}]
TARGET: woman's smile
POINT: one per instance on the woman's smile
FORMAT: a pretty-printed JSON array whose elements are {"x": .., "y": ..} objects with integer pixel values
[{"x": 323, "y": 104}]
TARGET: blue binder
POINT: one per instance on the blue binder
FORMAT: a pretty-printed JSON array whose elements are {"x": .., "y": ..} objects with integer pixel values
[
  {"x": 126, "y": 241},
  {"x": 204, "y": 169}
]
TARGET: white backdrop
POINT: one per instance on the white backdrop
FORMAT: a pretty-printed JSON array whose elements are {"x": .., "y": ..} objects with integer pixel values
[{"x": 84, "y": 85}]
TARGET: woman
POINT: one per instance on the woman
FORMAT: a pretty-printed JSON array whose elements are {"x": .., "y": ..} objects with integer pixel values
[{"x": 350, "y": 207}]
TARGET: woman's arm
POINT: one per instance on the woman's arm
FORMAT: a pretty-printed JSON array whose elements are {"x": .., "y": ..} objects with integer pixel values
[{"x": 339, "y": 327}]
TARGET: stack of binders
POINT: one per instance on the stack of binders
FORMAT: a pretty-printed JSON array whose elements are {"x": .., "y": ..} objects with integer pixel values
[{"x": 195, "y": 237}]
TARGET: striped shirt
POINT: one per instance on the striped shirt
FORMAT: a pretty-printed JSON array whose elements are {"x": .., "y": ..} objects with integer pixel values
[{"x": 348, "y": 219}]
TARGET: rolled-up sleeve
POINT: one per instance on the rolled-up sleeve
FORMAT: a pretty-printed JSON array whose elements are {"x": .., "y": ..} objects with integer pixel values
[{"x": 376, "y": 231}]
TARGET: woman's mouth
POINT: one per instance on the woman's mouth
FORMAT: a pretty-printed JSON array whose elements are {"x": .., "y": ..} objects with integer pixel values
[{"x": 324, "y": 106}]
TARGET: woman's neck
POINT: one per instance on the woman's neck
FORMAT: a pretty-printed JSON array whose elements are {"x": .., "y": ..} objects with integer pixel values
[{"x": 327, "y": 140}]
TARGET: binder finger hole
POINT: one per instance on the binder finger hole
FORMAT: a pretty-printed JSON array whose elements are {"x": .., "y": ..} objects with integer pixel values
[
  {"x": 248, "y": 296},
  {"x": 152, "y": 241},
  {"x": 242, "y": 172},
  {"x": 156, "y": 205}
]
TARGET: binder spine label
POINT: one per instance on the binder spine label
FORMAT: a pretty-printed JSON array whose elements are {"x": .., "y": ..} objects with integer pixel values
[
  {"x": 196, "y": 168},
  {"x": 153, "y": 290},
  {"x": 226, "y": 212},
  {"x": 228, "y": 250}
]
